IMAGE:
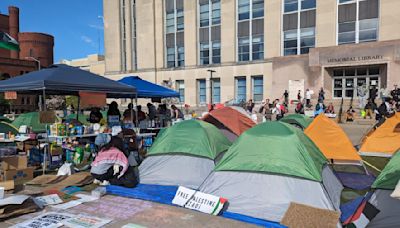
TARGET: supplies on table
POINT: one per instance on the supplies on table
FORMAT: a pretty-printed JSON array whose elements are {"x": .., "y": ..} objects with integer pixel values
[{"x": 69, "y": 129}]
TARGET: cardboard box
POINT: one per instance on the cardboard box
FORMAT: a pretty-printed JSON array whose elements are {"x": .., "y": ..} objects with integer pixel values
[
  {"x": 7, "y": 185},
  {"x": 14, "y": 162},
  {"x": 18, "y": 175}
]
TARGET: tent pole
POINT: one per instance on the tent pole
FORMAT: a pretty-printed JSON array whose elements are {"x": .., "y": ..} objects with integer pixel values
[
  {"x": 131, "y": 110},
  {"x": 77, "y": 112},
  {"x": 137, "y": 121},
  {"x": 44, "y": 100}
]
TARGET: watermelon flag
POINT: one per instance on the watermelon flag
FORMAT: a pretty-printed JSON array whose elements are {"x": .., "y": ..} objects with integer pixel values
[
  {"x": 363, "y": 215},
  {"x": 7, "y": 42}
]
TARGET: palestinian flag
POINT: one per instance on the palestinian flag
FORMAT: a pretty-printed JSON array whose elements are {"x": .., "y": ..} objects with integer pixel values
[
  {"x": 363, "y": 215},
  {"x": 7, "y": 42}
]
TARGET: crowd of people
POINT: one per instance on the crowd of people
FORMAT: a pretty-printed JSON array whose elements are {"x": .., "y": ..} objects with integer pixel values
[
  {"x": 367, "y": 105},
  {"x": 159, "y": 116}
]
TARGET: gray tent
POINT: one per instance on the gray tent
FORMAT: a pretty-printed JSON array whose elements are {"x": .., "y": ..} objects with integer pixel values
[
  {"x": 183, "y": 155},
  {"x": 385, "y": 183},
  {"x": 270, "y": 166}
]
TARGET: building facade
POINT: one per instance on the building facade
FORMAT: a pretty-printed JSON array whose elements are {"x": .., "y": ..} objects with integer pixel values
[
  {"x": 92, "y": 63},
  {"x": 38, "y": 46},
  {"x": 233, "y": 50}
]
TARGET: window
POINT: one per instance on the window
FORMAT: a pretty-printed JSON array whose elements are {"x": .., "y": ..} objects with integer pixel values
[
  {"x": 357, "y": 21},
  {"x": 174, "y": 34},
  {"x": 258, "y": 88},
  {"x": 299, "y": 20},
  {"x": 180, "y": 87},
  {"x": 241, "y": 89},
  {"x": 244, "y": 9},
  {"x": 209, "y": 32},
  {"x": 250, "y": 30},
  {"x": 244, "y": 49},
  {"x": 216, "y": 91},
  {"x": 201, "y": 90}
]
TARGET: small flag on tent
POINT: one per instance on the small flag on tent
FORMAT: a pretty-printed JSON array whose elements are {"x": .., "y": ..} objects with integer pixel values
[
  {"x": 363, "y": 215},
  {"x": 7, "y": 42}
]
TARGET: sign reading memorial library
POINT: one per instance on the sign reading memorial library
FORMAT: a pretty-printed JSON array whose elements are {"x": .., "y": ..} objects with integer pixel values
[{"x": 355, "y": 59}]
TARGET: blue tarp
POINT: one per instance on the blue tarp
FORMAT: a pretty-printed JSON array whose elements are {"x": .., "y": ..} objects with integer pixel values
[
  {"x": 146, "y": 89},
  {"x": 165, "y": 194},
  {"x": 356, "y": 181},
  {"x": 66, "y": 80}
]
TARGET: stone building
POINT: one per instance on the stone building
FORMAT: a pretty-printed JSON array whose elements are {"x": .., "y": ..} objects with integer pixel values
[
  {"x": 33, "y": 45},
  {"x": 255, "y": 49}
]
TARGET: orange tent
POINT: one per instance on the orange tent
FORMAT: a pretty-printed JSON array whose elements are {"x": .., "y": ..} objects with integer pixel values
[
  {"x": 384, "y": 140},
  {"x": 231, "y": 121},
  {"x": 332, "y": 140}
]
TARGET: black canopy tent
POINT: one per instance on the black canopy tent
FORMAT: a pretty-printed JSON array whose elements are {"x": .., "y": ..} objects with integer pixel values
[{"x": 66, "y": 80}]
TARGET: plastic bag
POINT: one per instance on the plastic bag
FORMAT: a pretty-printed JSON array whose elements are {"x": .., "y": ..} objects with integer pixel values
[{"x": 65, "y": 169}]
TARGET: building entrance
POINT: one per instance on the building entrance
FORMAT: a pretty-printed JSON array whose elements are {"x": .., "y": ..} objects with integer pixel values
[{"x": 347, "y": 80}]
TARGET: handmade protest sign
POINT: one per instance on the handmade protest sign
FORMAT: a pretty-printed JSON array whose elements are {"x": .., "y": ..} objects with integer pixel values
[{"x": 198, "y": 201}]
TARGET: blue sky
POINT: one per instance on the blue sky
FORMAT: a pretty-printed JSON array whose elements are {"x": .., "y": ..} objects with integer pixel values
[{"x": 75, "y": 24}]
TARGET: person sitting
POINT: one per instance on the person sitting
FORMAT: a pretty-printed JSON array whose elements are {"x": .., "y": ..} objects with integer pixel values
[
  {"x": 320, "y": 107},
  {"x": 350, "y": 114},
  {"x": 129, "y": 114},
  {"x": 299, "y": 108},
  {"x": 111, "y": 165},
  {"x": 250, "y": 106},
  {"x": 330, "y": 109},
  {"x": 95, "y": 115}
]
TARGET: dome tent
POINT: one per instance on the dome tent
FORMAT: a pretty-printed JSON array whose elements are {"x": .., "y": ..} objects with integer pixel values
[
  {"x": 230, "y": 121},
  {"x": 384, "y": 140},
  {"x": 384, "y": 185},
  {"x": 183, "y": 155},
  {"x": 270, "y": 166},
  {"x": 298, "y": 120},
  {"x": 332, "y": 140}
]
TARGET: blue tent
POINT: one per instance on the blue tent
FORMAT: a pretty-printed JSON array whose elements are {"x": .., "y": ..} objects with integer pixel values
[
  {"x": 66, "y": 80},
  {"x": 146, "y": 89}
]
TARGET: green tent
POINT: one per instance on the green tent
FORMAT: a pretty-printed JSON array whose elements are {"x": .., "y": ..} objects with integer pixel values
[
  {"x": 275, "y": 147},
  {"x": 297, "y": 119},
  {"x": 193, "y": 137},
  {"x": 390, "y": 175},
  {"x": 5, "y": 119},
  {"x": 31, "y": 119},
  {"x": 6, "y": 127}
]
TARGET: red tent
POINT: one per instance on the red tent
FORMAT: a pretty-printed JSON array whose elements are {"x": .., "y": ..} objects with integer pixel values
[{"x": 232, "y": 121}]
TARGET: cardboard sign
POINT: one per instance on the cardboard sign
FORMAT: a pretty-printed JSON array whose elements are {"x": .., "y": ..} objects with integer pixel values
[
  {"x": 47, "y": 117},
  {"x": 11, "y": 95},
  {"x": 86, "y": 222},
  {"x": 52, "y": 199},
  {"x": 91, "y": 99},
  {"x": 198, "y": 201}
]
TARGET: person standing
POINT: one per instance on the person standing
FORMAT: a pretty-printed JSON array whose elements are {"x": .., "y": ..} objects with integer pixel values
[
  {"x": 250, "y": 106},
  {"x": 286, "y": 98},
  {"x": 369, "y": 109},
  {"x": 362, "y": 94},
  {"x": 308, "y": 98},
  {"x": 299, "y": 96},
  {"x": 176, "y": 113},
  {"x": 267, "y": 110},
  {"x": 373, "y": 94},
  {"x": 321, "y": 95},
  {"x": 113, "y": 114}
]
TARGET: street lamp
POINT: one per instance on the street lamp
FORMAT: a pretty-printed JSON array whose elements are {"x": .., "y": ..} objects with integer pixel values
[
  {"x": 34, "y": 59},
  {"x": 211, "y": 87}
]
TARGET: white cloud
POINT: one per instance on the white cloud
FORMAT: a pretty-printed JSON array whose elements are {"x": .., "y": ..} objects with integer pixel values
[{"x": 88, "y": 40}]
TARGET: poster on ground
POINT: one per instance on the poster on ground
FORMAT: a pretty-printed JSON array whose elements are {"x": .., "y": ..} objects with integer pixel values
[
  {"x": 83, "y": 221},
  {"x": 198, "y": 201},
  {"x": 47, "y": 220}
]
